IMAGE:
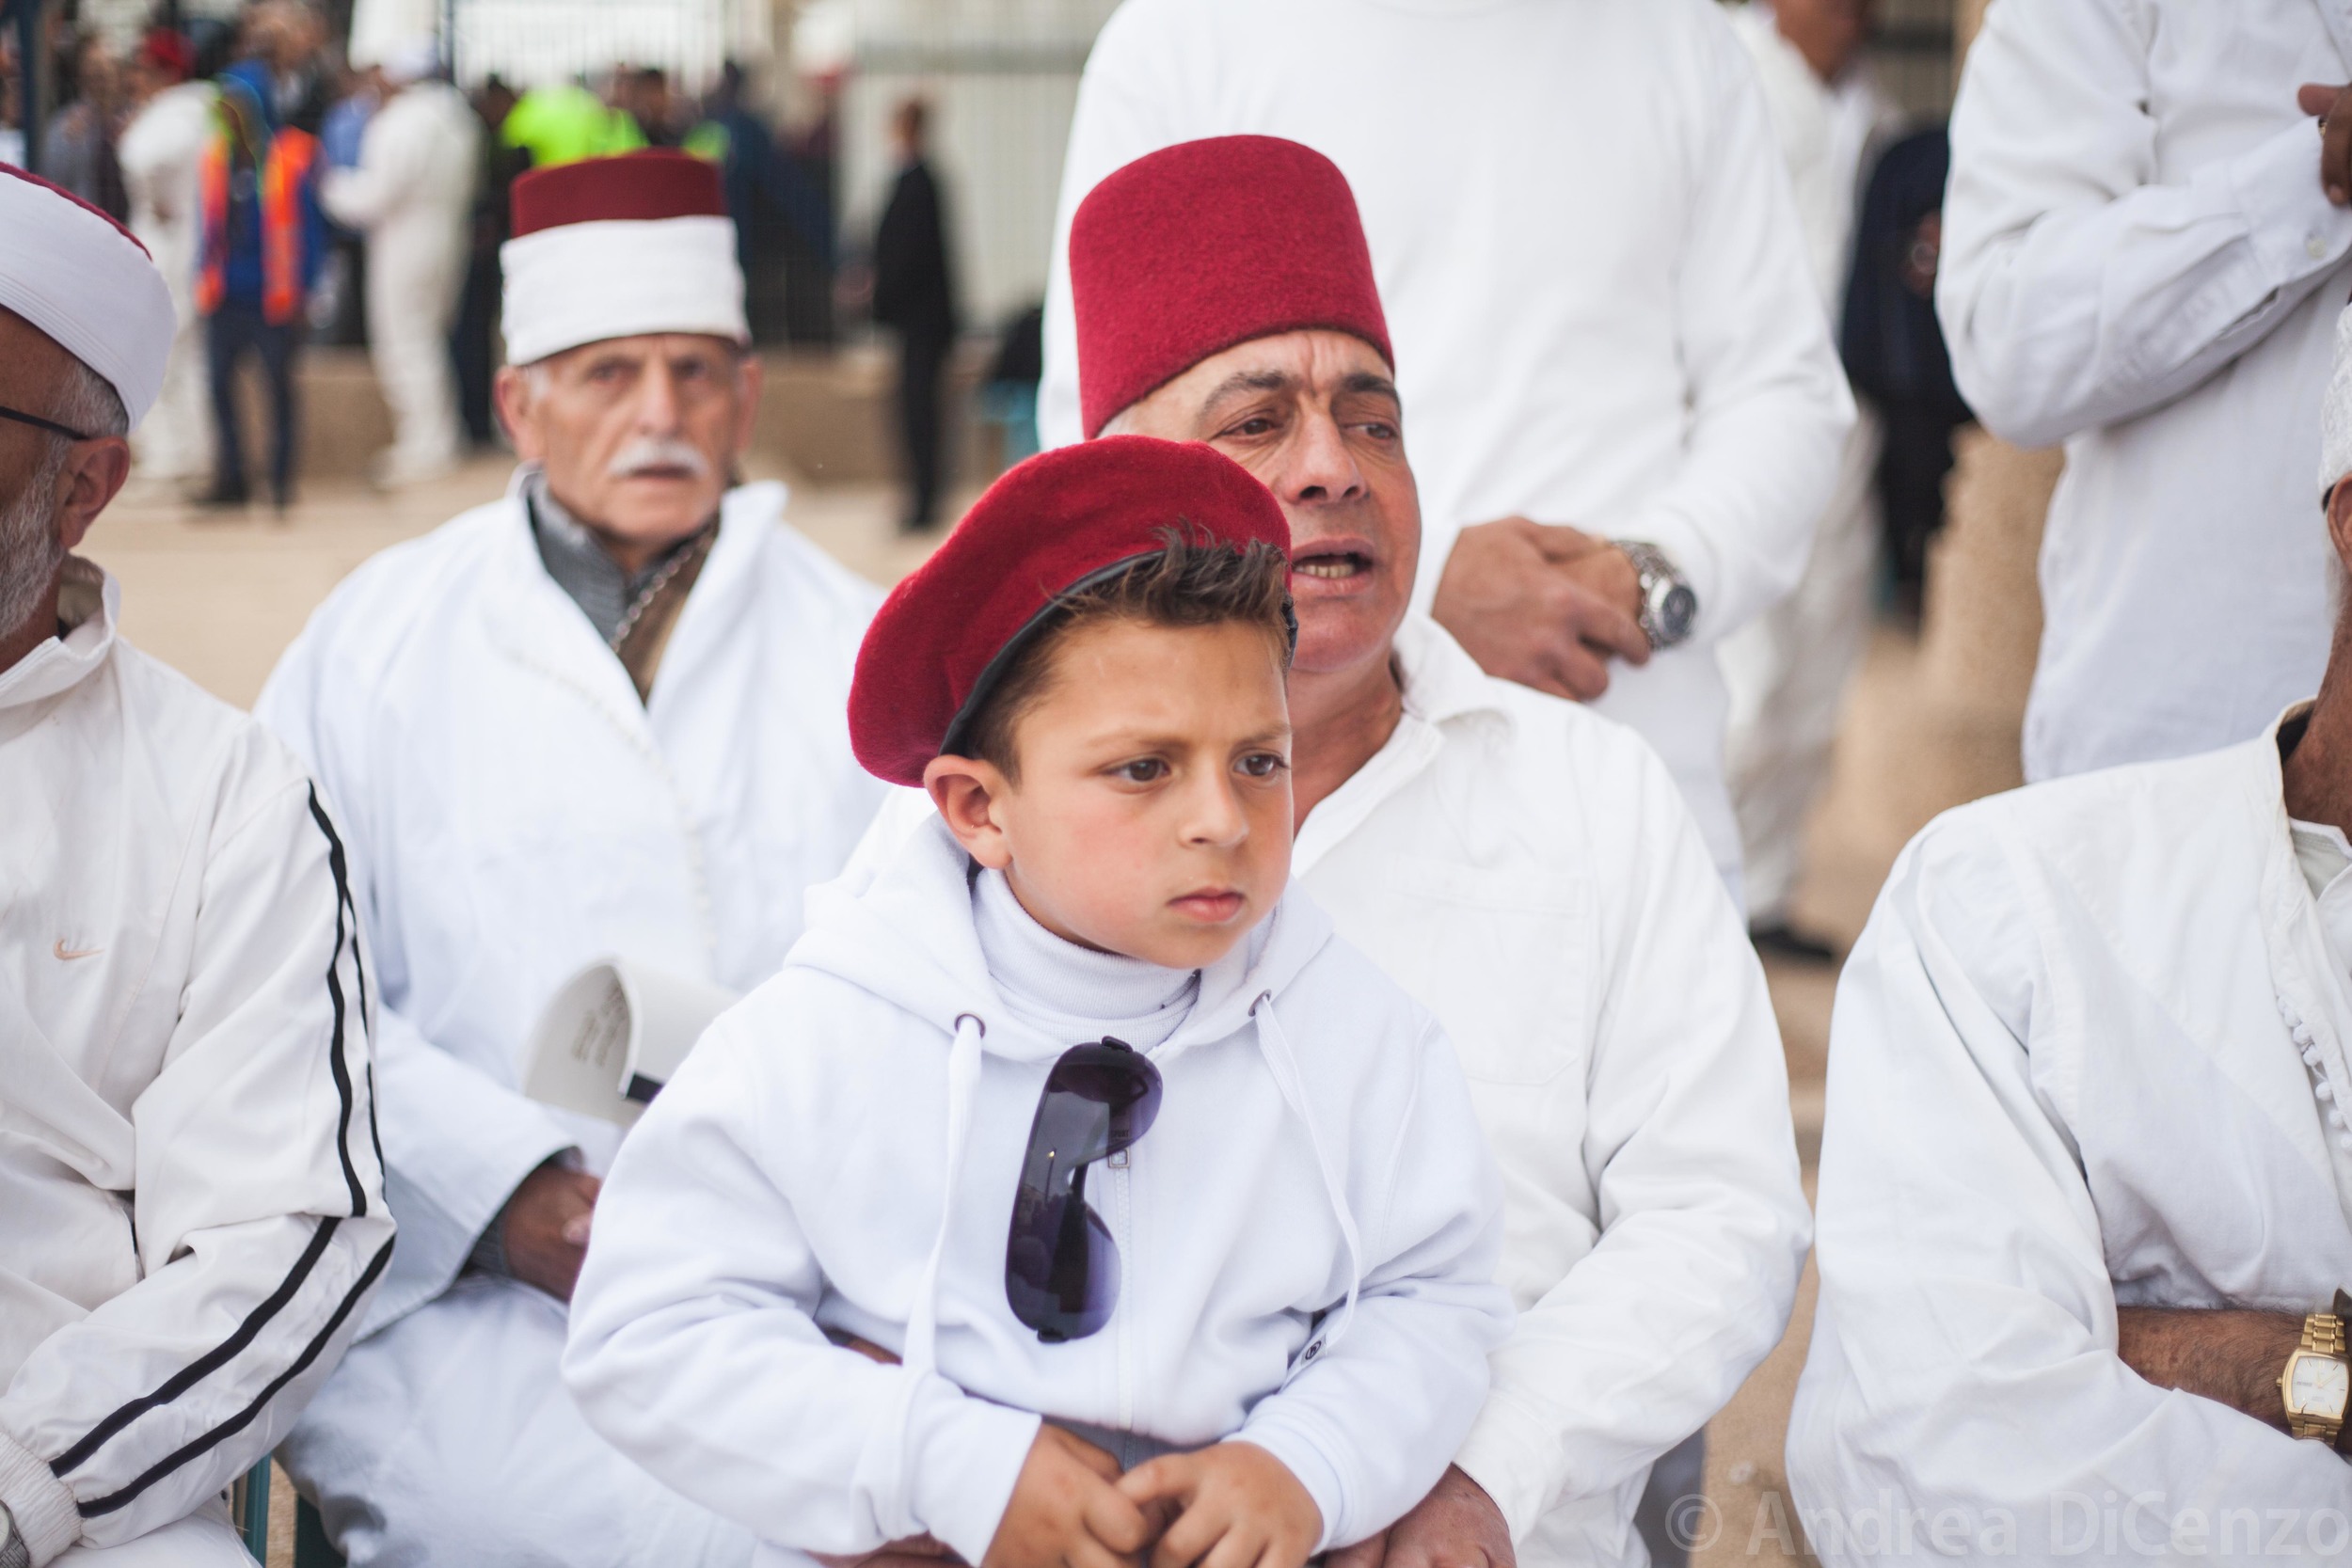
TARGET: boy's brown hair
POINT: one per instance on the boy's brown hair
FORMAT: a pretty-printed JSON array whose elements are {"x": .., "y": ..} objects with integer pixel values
[{"x": 1187, "y": 582}]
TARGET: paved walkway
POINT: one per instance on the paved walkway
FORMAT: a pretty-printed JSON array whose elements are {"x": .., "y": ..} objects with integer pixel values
[{"x": 220, "y": 596}]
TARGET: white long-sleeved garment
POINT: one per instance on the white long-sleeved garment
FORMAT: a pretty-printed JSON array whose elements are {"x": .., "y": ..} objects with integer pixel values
[
  {"x": 1305, "y": 1233},
  {"x": 191, "y": 1207},
  {"x": 1784, "y": 673},
  {"x": 158, "y": 151},
  {"x": 2082, "y": 1058},
  {"x": 412, "y": 196},
  {"x": 2138, "y": 261},
  {"x": 1594, "y": 286},
  {"x": 1526, "y": 870},
  {"x": 515, "y": 812}
]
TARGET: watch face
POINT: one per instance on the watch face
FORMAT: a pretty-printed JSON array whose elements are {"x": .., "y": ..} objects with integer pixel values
[
  {"x": 2319, "y": 1385},
  {"x": 1676, "y": 610}
]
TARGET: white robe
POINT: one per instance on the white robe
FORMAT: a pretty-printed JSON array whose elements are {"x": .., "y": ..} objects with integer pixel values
[
  {"x": 1594, "y": 283},
  {"x": 2066, "y": 1076},
  {"x": 159, "y": 151},
  {"x": 1526, "y": 870},
  {"x": 515, "y": 812},
  {"x": 412, "y": 195},
  {"x": 192, "y": 1211},
  {"x": 2138, "y": 260}
]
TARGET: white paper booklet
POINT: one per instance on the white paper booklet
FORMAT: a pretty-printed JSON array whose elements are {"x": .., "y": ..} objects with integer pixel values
[{"x": 614, "y": 1035}]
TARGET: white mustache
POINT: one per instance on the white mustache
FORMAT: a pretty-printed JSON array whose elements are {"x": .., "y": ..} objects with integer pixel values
[{"x": 656, "y": 452}]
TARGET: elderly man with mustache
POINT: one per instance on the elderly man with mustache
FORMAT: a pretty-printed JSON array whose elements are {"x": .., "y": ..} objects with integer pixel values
[{"x": 601, "y": 716}]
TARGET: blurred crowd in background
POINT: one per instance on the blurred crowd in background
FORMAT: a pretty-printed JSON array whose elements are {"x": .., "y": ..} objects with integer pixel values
[{"x": 294, "y": 198}]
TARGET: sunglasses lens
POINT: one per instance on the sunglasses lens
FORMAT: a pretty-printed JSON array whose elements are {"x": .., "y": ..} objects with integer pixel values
[{"x": 1061, "y": 1267}]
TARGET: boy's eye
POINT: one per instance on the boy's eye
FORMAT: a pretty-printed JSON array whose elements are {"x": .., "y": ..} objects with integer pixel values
[
  {"x": 1263, "y": 765},
  {"x": 1143, "y": 771}
]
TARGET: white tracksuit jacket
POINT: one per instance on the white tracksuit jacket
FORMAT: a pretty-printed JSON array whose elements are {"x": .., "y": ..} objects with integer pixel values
[
  {"x": 1308, "y": 1237},
  {"x": 191, "y": 1206}
]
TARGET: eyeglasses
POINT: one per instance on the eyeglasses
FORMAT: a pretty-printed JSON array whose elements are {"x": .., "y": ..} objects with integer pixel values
[
  {"x": 1061, "y": 1267},
  {"x": 50, "y": 425}
]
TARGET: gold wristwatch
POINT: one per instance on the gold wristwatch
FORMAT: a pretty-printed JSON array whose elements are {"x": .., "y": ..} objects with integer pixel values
[{"x": 2317, "y": 1383}]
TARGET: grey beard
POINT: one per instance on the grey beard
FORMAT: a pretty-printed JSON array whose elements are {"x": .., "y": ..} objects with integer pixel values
[{"x": 31, "y": 552}]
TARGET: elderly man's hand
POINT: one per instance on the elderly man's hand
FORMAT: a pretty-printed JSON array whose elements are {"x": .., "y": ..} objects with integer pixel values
[
  {"x": 2333, "y": 105},
  {"x": 1456, "y": 1526},
  {"x": 1544, "y": 605},
  {"x": 545, "y": 1227}
]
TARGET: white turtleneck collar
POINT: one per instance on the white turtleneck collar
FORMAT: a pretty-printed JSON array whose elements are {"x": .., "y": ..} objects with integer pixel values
[{"x": 1075, "y": 993}]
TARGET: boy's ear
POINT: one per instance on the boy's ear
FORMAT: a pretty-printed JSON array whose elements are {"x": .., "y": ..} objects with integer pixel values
[{"x": 966, "y": 791}]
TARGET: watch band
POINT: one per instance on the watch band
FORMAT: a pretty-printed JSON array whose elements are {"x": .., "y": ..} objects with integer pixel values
[
  {"x": 2322, "y": 1335},
  {"x": 15, "y": 1551},
  {"x": 1654, "y": 571}
]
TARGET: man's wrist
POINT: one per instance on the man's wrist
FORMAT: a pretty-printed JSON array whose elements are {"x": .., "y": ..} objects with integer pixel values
[{"x": 1668, "y": 606}]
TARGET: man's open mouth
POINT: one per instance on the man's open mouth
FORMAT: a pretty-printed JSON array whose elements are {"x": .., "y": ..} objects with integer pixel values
[{"x": 1332, "y": 567}]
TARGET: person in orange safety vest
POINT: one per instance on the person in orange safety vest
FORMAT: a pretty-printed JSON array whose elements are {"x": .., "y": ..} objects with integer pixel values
[{"x": 262, "y": 243}]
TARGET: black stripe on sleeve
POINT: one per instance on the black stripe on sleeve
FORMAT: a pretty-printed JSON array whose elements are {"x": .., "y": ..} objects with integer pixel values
[
  {"x": 210, "y": 1362},
  {"x": 243, "y": 1418},
  {"x": 335, "y": 994}
]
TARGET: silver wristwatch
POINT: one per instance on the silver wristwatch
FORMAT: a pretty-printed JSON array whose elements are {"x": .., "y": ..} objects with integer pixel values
[
  {"x": 15, "y": 1551},
  {"x": 1668, "y": 606}
]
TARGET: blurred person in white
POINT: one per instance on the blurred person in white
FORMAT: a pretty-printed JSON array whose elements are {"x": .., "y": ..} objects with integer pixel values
[
  {"x": 160, "y": 151},
  {"x": 1627, "y": 410},
  {"x": 1523, "y": 867},
  {"x": 192, "y": 1210},
  {"x": 412, "y": 196},
  {"x": 2144, "y": 244},
  {"x": 1786, "y": 671},
  {"x": 2084, "y": 1234},
  {"x": 602, "y": 716}
]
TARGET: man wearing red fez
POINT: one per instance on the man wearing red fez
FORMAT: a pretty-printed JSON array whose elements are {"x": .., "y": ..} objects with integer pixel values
[
  {"x": 1626, "y": 407},
  {"x": 192, "y": 1212},
  {"x": 601, "y": 718},
  {"x": 1523, "y": 866}
]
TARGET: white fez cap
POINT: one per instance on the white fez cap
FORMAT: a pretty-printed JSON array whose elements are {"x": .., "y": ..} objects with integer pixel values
[
  {"x": 79, "y": 275},
  {"x": 616, "y": 248},
  {"x": 2335, "y": 411}
]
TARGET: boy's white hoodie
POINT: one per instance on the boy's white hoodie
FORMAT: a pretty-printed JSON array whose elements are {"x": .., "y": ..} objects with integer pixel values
[{"x": 1308, "y": 1237}]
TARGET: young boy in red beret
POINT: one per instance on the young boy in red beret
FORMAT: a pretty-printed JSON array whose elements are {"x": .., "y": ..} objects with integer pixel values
[{"x": 1171, "y": 1210}]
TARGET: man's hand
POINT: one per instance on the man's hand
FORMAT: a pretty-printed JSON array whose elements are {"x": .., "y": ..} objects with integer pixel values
[
  {"x": 1543, "y": 605},
  {"x": 544, "y": 1227},
  {"x": 1456, "y": 1526},
  {"x": 2333, "y": 105},
  {"x": 2230, "y": 1357},
  {"x": 1067, "y": 1512},
  {"x": 1236, "y": 1506}
]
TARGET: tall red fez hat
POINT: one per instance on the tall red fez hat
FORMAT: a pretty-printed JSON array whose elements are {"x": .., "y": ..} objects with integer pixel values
[
  {"x": 1195, "y": 247},
  {"x": 1060, "y": 521}
]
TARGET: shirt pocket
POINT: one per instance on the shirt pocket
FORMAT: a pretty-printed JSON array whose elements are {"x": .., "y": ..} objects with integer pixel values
[{"x": 1501, "y": 955}]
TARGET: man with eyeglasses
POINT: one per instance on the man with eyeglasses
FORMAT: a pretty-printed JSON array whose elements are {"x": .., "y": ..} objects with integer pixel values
[
  {"x": 192, "y": 1211},
  {"x": 600, "y": 717}
]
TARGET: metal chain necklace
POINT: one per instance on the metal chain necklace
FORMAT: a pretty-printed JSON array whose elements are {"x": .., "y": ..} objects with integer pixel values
[{"x": 655, "y": 584}]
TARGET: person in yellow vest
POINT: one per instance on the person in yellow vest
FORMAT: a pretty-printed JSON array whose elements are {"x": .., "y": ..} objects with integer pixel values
[{"x": 264, "y": 240}]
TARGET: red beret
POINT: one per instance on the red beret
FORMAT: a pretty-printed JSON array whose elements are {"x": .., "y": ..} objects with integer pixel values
[
  {"x": 1195, "y": 247},
  {"x": 644, "y": 186},
  {"x": 1057, "y": 521}
]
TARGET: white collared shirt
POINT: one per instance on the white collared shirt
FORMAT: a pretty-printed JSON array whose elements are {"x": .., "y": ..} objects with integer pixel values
[
  {"x": 2138, "y": 260},
  {"x": 2074, "y": 1067}
]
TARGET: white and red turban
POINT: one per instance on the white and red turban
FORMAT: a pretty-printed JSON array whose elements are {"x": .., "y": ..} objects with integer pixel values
[
  {"x": 1189, "y": 250},
  {"x": 615, "y": 247},
  {"x": 79, "y": 275}
]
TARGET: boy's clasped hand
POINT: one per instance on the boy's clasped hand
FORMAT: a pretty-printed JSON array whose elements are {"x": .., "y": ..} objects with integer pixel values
[{"x": 1231, "y": 1505}]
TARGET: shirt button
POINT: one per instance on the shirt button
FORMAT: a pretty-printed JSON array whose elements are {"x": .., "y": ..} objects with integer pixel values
[{"x": 2314, "y": 246}]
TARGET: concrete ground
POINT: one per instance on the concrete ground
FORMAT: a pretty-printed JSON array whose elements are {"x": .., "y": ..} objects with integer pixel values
[{"x": 219, "y": 597}]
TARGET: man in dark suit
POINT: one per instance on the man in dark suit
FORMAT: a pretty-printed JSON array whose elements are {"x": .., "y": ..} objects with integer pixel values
[{"x": 913, "y": 293}]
